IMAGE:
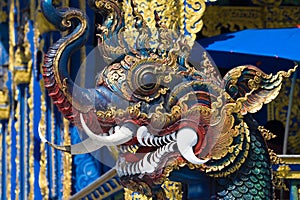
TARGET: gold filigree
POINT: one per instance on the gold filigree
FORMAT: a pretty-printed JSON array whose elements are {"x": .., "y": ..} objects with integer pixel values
[
  {"x": 67, "y": 163},
  {"x": 278, "y": 182},
  {"x": 17, "y": 147},
  {"x": 274, "y": 158},
  {"x": 53, "y": 152},
  {"x": 8, "y": 140},
  {"x": 131, "y": 195},
  {"x": 23, "y": 59},
  {"x": 235, "y": 18},
  {"x": 283, "y": 170},
  {"x": 31, "y": 136},
  {"x": 268, "y": 135},
  {"x": 4, "y": 104},
  {"x": 182, "y": 16},
  {"x": 43, "y": 181},
  {"x": 173, "y": 190},
  {"x": 11, "y": 35},
  {"x": 241, "y": 149}
]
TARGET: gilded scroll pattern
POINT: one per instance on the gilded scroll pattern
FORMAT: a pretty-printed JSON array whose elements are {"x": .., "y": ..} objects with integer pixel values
[
  {"x": 67, "y": 163},
  {"x": 234, "y": 18},
  {"x": 43, "y": 181},
  {"x": 184, "y": 16}
]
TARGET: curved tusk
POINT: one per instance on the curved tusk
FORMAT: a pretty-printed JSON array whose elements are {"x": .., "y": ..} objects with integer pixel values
[
  {"x": 120, "y": 136},
  {"x": 86, "y": 146},
  {"x": 186, "y": 139},
  {"x": 44, "y": 140}
]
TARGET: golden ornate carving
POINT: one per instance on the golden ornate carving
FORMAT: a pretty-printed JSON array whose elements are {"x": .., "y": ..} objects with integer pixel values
[
  {"x": 131, "y": 195},
  {"x": 11, "y": 35},
  {"x": 31, "y": 136},
  {"x": 278, "y": 182},
  {"x": 23, "y": 59},
  {"x": 173, "y": 190},
  {"x": 266, "y": 133},
  {"x": 4, "y": 104},
  {"x": 234, "y": 18},
  {"x": 67, "y": 163},
  {"x": 53, "y": 152},
  {"x": 274, "y": 158},
  {"x": 283, "y": 171},
  {"x": 182, "y": 16},
  {"x": 17, "y": 147},
  {"x": 8, "y": 161},
  {"x": 43, "y": 181}
]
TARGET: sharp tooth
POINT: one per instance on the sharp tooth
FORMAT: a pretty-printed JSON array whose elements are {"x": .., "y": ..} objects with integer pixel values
[
  {"x": 156, "y": 153},
  {"x": 146, "y": 140},
  {"x": 156, "y": 141},
  {"x": 155, "y": 158},
  {"x": 121, "y": 149},
  {"x": 160, "y": 141},
  {"x": 141, "y": 134},
  {"x": 136, "y": 168},
  {"x": 151, "y": 140},
  {"x": 171, "y": 146},
  {"x": 140, "y": 166},
  {"x": 132, "y": 168},
  {"x": 169, "y": 138},
  {"x": 186, "y": 139},
  {"x": 129, "y": 149},
  {"x": 128, "y": 169},
  {"x": 164, "y": 139},
  {"x": 124, "y": 170},
  {"x": 173, "y": 135},
  {"x": 147, "y": 167}
]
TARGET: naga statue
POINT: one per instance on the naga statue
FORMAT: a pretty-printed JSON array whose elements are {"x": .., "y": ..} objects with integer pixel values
[{"x": 170, "y": 119}]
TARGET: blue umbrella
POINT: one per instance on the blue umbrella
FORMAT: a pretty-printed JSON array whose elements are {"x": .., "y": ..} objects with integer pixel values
[{"x": 274, "y": 43}]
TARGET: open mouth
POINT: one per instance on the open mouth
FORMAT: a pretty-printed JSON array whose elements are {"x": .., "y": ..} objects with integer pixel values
[{"x": 145, "y": 153}]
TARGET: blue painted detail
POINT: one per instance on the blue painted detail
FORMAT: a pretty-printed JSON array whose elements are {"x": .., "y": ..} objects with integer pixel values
[{"x": 86, "y": 168}]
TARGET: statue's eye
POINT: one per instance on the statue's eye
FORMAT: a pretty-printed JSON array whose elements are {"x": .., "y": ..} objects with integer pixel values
[
  {"x": 144, "y": 80},
  {"x": 148, "y": 81}
]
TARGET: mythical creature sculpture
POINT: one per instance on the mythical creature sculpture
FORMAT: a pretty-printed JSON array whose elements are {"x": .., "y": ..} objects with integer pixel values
[{"x": 163, "y": 113}]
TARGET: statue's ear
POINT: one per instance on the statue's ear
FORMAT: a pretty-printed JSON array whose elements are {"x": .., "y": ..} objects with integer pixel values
[{"x": 258, "y": 88}]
